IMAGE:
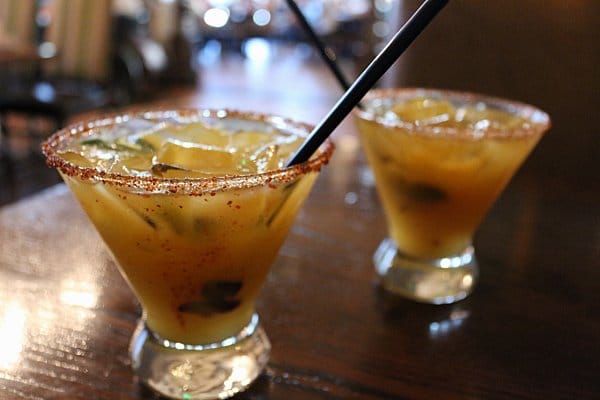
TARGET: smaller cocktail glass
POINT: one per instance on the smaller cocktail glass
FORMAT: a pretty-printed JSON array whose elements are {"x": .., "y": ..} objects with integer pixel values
[
  {"x": 440, "y": 159},
  {"x": 194, "y": 206}
]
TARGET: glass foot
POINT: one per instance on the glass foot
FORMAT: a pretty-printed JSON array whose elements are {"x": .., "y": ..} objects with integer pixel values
[
  {"x": 212, "y": 371},
  {"x": 437, "y": 281}
]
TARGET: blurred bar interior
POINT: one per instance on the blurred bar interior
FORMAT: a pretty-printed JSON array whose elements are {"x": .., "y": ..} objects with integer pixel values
[{"x": 59, "y": 58}]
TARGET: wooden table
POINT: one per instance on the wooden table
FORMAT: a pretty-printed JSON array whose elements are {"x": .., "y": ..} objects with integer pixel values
[{"x": 529, "y": 331}]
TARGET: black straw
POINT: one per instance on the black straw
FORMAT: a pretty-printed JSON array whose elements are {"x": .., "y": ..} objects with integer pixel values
[
  {"x": 327, "y": 54},
  {"x": 384, "y": 60}
]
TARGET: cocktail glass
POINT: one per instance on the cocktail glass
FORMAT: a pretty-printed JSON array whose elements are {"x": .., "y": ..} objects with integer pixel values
[
  {"x": 440, "y": 159},
  {"x": 195, "y": 251}
]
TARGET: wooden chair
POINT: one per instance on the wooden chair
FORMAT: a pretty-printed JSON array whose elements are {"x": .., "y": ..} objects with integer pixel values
[{"x": 77, "y": 79}]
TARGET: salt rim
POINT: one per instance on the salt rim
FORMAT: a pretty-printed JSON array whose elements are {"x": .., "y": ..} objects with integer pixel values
[
  {"x": 187, "y": 186},
  {"x": 539, "y": 121}
]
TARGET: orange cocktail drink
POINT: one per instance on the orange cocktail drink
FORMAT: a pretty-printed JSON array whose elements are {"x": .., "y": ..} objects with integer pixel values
[
  {"x": 194, "y": 206},
  {"x": 440, "y": 160}
]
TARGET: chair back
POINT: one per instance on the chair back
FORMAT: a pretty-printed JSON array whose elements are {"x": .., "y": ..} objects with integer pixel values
[
  {"x": 17, "y": 22},
  {"x": 81, "y": 32}
]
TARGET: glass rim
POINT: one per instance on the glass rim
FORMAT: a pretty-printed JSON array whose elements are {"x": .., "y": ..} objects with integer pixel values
[
  {"x": 539, "y": 120},
  {"x": 187, "y": 185}
]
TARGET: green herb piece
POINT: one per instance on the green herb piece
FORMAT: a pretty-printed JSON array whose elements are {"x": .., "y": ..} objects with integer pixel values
[
  {"x": 160, "y": 168},
  {"x": 216, "y": 297},
  {"x": 144, "y": 145},
  {"x": 120, "y": 144},
  {"x": 202, "y": 225},
  {"x": 286, "y": 193},
  {"x": 97, "y": 143},
  {"x": 423, "y": 192},
  {"x": 146, "y": 218},
  {"x": 221, "y": 289},
  {"x": 426, "y": 193},
  {"x": 149, "y": 221},
  {"x": 123, "y": 144}
]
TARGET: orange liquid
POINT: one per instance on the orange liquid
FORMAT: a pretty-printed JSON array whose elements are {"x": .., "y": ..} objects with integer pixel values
[
  {"x": 436, "y": 189},
  {"x": 195, "y": 263}
]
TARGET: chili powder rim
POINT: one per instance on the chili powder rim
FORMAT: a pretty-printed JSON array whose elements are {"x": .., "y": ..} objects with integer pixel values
[
  {"x": 187, "y": 186},
  {"x": 538, "y": 120}
]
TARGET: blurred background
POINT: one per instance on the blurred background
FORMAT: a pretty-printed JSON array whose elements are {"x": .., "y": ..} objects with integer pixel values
[{"x": 60, "y": 59}]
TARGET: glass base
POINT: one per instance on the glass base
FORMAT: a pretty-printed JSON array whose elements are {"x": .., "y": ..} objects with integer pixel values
[
  {"x": 212, "y": 371},
  {"x": 437, "y": 281}
]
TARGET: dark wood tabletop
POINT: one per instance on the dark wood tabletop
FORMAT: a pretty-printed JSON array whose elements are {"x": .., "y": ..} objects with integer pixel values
[{"x": 530, "y": 330}]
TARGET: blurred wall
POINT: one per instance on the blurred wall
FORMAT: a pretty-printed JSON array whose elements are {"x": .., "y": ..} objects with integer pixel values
[{"x": 544, "y": 52}]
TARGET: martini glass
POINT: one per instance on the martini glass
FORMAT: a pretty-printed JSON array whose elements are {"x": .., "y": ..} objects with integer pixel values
[
  {"x": 440, "y": 159},
  {"x": 195, "y": 247}
]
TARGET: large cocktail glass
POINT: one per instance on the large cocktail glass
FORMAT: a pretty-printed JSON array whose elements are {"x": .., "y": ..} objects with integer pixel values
[
  {"x": 439, "y": 165},
  {"x": 195, "y": 251}
]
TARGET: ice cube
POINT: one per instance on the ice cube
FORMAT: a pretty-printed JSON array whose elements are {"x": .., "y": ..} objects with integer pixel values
[
  {"x": 137, "y": 165},
  {"x": 125, "y": 129},
  {"x": 156, "y": 139},
  {"x": 200, "y": 133},
  {"x": 197, "y": 158},
  {"x": 190, "y": 135},
  {"x": 266, "y": 158},
  {"x": 76, "y": 158},
  {"x": 482, "y": 119},
  {"x": 423, "y": 111},
  {"x": 248, "y": 139},
  {"x": 137, "y": 126}
]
